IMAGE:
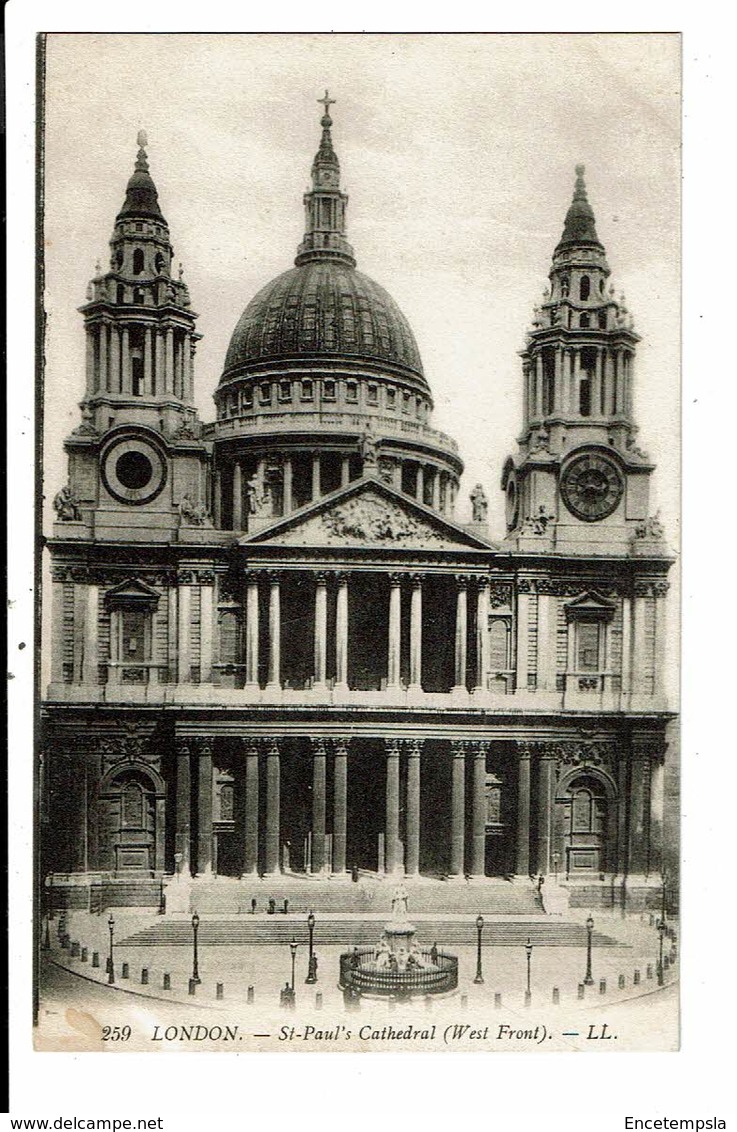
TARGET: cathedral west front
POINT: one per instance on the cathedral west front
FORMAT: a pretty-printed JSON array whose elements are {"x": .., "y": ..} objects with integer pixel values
[{"x": 277, "y": 652}]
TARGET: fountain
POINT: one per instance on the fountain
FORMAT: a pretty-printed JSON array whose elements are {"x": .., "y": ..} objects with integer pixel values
[{"x": 397, "y": 966}]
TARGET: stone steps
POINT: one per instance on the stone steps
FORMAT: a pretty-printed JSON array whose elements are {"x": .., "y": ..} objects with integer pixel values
[{"x": 254, "y": 932}]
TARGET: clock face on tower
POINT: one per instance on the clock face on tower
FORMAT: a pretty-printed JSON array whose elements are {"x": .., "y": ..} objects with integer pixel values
[
  {"x": 591, "y": 487},
  {"x": 133, "y": 470}
]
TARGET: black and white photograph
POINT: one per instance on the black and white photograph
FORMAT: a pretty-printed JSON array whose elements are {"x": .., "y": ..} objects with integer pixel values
[{"x": 358, "y": 679}]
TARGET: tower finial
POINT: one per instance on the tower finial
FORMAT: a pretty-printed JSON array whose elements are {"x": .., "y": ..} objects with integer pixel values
[
  {"x": 142, "y": 139},
  {"x": 326, "y": 121}
]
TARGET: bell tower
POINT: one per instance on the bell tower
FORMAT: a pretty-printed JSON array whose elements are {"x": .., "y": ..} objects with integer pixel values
[
  {"x": 578, "y": 481},
  {"x": 138, "y": 452}
]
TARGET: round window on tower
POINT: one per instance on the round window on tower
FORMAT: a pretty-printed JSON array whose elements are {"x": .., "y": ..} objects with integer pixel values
[{"x": 134, "y": 470}]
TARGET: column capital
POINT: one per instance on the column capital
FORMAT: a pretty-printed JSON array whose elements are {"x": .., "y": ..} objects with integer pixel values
[
  {"x": 482, "y": 581},
  {"x": 250, "y": 746},
  {"x": 458, "y": 748},
  {"x": 480, "y": 748},
  {"x": 272, "y": 748},
  {"x": 396, "y": 578},
  {"x": 319, "y": 746},
  {"x": 321, "y": 577},
  {"x": 253, "y": 577},
  {"x": 342, "y": 577},
  {"x": 392, "y": 748},
  {"x": 414, "y": 748},
  {"x": 204, "y": 746},
  {"x": 274, "y": 576},
  {"x": 183, "y": 748},
  {"x": 341, "y": 746},
  {"x": 416, "y": 581},
  {"x": 462, "y": 581}
]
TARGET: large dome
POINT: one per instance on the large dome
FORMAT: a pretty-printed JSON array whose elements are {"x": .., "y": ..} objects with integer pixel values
[{"x": 323, "y": 308}]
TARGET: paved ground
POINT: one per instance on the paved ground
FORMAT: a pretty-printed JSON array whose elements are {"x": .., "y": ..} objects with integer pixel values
[{"x": 77, "y": 1002}]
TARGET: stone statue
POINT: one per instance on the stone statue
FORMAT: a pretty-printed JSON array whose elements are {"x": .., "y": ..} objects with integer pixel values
[
  {"x": 400, "y": 902},
  {"x": 257, "y": 501},
  {"x": 479, "y": 504},
  {"x": 651, "y": 528},
  {"x": 66, "y": 506},
  {"x": 192, "y": 514},
  {"x": 368, "y": 447},
  {"x": 538, "y": 524}
]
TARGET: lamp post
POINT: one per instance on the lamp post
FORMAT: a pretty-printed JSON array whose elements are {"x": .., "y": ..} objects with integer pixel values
[
  {"x": 588, "y": 977},
  {"x": 293, "y": 949},
  {"x": 528, "y": 952},
  {"x": 662, "y": 897},
  {"x": 479, "y": 928},
  {"x": 662, "y": 929},
  {"x": 195, "y": 967},
  {"x": 311, "y": 973},
  {"x": 110, "y": 967},
  {"x": 556, "y": 864}
]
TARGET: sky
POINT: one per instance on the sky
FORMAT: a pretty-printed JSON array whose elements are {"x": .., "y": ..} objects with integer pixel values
[{"x": 458, "y": 155}]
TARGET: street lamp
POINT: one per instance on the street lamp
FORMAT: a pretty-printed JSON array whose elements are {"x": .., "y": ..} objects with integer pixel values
[
  {"x": 293, "y": 949},
  {"x": 662, "y": 929},
  {"x": 311, "y": 972},
  {"x": 588, "y": 977},
  {"x": 479, "y": 928},
  {"x": 110, "y": 968},
  {"x": 528, "y": 952},
  {"x": 556, "y": 863},
  {"x": 662, "y": 897},
  {"x": 195, "y": 967}
]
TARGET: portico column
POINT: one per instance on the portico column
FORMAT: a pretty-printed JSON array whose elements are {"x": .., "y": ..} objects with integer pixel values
[
  {"x": 478, "y": 819},
  {"x": 575, "y": 383},
  {"x": 391, "y": 835},
  {"x": 420, "y": 491},
  {"x": 340, "y": 804},
  {"x": 102, "y": 382},
  {"x": 237, "y": 497},
  {"x": 539, "y": 388},
  {"x": 273, "y": 805},
  {"x": 252, "y": 630},
  {"x": 287, "y": 485},
  {"x": 457, "y": 807},
  {"x": 609, "y": 391},
  {"x": 184, "y": 632},
  {"x": 274, "y": 674},
  {"x": 321, "y": 628},
  {"x": 159, "y": 361},
  {"x": 415, "y": 633},
  {"x": 315, "y": 476},
  {"x": 482, "y": 633},
  {"x": 639, "y": 813},
  {"x": 319, "y": 776},
  {"x": 90, "y": 661},
  {"x": 395, "y": 626},
  {"x": 544, "y": 811},
  {"x": 169, "y": 362},
  {"x": 596, "y": 387},
  {"x": 341, "y": 633},
  {"x": 345, "y": 471},
  {"x": 251, "y": 855},
  {"x": 90, "y": 360},
  {"x": 217, "y": 490},
  {"x": 558, "y": 381},
  {"x": 657, "y": 784},
  {"x": 436, "y": 489},
  {"x": 461, "y": 634},
  {"x": 183, "y": 832},
  {"x": 523, "y": 628},
  {"x": 523, "y": 811},
  {"x": 414, "y": 753},
  {"x": 204, "y": 807},
  {"x": 114, "y": 385},
  {"x": 566, "y": 401},
  {"x": 126, "y": 356},
  {"x": 147, "y": 362}
]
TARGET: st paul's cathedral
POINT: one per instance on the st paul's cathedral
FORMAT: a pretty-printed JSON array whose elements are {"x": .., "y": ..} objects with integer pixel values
[{"x": 277, "y": 654}]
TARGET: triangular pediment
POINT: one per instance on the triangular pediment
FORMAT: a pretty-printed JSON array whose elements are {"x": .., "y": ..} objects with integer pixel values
[
  {"x": 132, "y": 592},
  {"x": 590, "y": 604},
  {"x": 368, "y": 513}
]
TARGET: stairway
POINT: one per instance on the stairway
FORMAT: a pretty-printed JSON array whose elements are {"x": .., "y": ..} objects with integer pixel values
[{"x": 253, "y": 931}]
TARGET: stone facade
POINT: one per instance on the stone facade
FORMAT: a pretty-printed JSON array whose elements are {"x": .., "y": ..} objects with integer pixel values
[{"x": 274, "y": 647}]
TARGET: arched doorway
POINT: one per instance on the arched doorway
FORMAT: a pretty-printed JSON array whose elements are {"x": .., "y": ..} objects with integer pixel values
[
  {"x": 131, "y": 822},
  {"x": 586, "y": 810}
]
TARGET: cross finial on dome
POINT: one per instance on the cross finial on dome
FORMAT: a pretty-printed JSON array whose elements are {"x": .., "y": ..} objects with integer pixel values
[
  {"x": 327, "y": 102},
  {"x": 142, "y": 139}
]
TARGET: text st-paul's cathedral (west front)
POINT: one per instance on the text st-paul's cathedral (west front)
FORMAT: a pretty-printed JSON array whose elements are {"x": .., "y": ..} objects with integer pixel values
[{"x": 275, "y": 651}]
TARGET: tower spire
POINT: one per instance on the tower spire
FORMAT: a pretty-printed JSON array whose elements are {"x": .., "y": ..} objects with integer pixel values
[
  {"x": 325, "y": 204},
  {"x": 141, "y": 197},
  {"x": 580, "y": 225}
]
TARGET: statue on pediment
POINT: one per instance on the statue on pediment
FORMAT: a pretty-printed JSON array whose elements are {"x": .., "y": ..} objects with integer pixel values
[
  {"x": 67, "y": 506},
  {"x": 479, "y": 504}
]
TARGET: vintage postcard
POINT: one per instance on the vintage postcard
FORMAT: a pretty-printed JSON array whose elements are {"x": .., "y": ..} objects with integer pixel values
[{"x": 358, "y": 692}]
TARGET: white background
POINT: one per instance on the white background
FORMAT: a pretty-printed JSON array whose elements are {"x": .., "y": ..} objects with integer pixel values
[{"x": 526, "y": 203}]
